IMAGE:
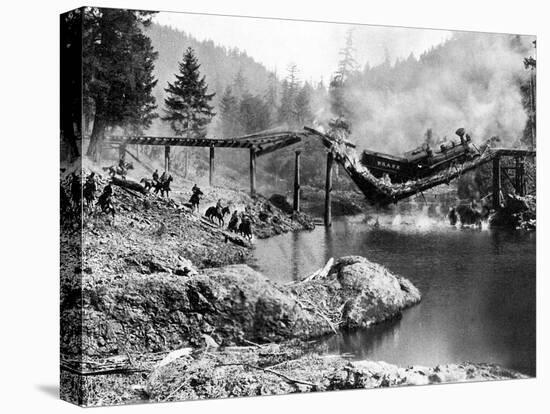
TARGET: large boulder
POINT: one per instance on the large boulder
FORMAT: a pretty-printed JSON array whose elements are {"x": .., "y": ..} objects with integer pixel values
[
  {"x": 357, "y": 293},
  {"x": 151, "y": 313}
]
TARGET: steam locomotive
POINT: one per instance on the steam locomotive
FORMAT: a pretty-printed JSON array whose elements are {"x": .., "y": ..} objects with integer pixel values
[{"x": 422, "y": 161}]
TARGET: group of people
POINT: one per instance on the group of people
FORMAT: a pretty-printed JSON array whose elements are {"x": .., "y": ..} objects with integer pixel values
[
  {"x": 105, "y": 200},
  {"x": 160, "y": 184},
  {"x": 240, "y": 222},
  {"x": 87, "y": 194}
]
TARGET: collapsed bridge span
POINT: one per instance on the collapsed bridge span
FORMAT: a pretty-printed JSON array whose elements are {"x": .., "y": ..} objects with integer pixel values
[{"x": 381, "y": 192}]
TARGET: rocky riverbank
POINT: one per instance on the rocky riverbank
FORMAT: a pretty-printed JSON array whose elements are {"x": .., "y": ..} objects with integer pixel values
[
  {"x": 169, "y": 311},
  {"x": 190, "y": 374}
]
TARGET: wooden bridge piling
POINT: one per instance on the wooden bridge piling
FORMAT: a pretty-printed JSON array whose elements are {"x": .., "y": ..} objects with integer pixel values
[
  {"x": 167, "y": 158},
  {"x": 296, "y": 204},
  {"x": 328, "y": 190},
  {"x": 496, "y": 182},
  {"x": 252, "y": 172},
  {"x": 212, "y": 167},
  {"x": 520, "y": 176}
]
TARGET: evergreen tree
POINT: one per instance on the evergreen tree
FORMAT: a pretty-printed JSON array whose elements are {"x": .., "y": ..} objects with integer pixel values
[
  {"x": 271, "y": 97},
  {"x": 347, "y": 66},
  {"x": 117, "y": 70},
  {"x": 239, "y": 84},
  {"x": 254, "y": 114},
  {"x": 303, "y": 105},
  {"x": 229, "y": 113},
  {"x": 287, "y": 110},
  {"x": 347, "y": 63},
  {"x": 187, "y": 105}
]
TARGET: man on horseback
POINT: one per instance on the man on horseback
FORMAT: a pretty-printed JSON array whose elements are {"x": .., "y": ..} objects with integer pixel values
[
  {"x": 195, "y": 197},
  {"x": 156, "y": 176},
  {"x": 163, "y": 185},
  {"x": 233, "y": 222}
]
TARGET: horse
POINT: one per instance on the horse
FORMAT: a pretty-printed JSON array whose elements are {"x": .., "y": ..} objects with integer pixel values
[
  {"x": 212, "y": 212},
  {"x": 195, "y": 200},
  {"x": 147, "y": 183},
  {"x": 245, "y": 228},
  {"x": 118, "y": 170},
  {"x": 164, "y": 186},
  {"x": 233, "y": 222},
  {"x": 105, "y": 202}
]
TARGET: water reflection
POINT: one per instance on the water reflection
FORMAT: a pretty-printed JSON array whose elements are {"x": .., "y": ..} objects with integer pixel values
[{"x": 478, "y": 287}]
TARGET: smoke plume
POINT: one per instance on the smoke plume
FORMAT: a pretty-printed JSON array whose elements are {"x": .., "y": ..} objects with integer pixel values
[{"x": 472, "y": 80}]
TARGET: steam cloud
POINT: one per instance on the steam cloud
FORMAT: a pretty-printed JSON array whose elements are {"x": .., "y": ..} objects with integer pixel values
[{"x": 472, "y": 81}]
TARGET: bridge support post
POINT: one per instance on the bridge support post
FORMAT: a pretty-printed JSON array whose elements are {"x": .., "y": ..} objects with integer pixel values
[
  {"x": 211, "y": 166},
  {"x": 520, "y": 177},
  {"x": 167, "y": 158},
  {"x": 328, "y": 191},
  {"x": 296, "y": 204},
  {"x": 496, "y": 182},
  {"x": 252, "y": 172}
]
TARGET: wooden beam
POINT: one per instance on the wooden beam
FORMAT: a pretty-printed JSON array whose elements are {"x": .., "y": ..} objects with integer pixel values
[
  {"x": 496, "y": 183},
  {"x": 252, "y": 172},
  {"x": 520, "y": 177},
  {"x": 275, "y": 147},
  {"x": 211, "y": 166},
  {"x": 296, "y": 204},
  {"x": 167, "y": 158},
  {"x": 328, "y": 190}
]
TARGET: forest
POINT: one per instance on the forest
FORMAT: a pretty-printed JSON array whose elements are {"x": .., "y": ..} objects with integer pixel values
[
  {"x": 470, "y": 80},
  {"x": 479, "y": 81}
]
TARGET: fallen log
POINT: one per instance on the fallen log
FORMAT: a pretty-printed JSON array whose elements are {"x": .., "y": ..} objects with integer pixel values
[
  {"x": 129, "y": 184},
  {"x": 318, "y": 274}
]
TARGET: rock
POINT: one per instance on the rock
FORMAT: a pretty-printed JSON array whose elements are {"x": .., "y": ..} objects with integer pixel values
[
  {"x": 364, "y": 292},
  {"x": 163, "y": 311},
  {"x": 243, "y": 375}
]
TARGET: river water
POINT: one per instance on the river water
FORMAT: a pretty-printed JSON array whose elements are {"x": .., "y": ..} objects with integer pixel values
[{"x": 478, "y": 287}]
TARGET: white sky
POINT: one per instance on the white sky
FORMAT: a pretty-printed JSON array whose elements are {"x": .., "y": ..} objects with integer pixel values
[{"x": 313, "y": 46}]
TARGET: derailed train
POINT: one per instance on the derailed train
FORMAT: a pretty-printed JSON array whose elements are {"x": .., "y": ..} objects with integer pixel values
[{"x": 420, "y": 162}]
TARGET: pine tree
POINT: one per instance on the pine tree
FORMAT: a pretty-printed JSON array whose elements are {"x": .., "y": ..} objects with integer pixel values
[
  {"x": 287, "y": 110},
  {"x": 271, "y": 97},
  {"x": 347, "y": 64},
  {"x": 187, "y": 105},
  {"x": 239, "y": 84},
  {"x": 117, "y": 64},
  {"x": 254, "y": 114},
  {"x": 346, "y": 67},
  {"x": 303, "y": 105},
  {"x": 229, "y": 113}
]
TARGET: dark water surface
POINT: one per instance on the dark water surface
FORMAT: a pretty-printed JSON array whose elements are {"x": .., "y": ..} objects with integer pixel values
[{"x": 478, "y": 288}]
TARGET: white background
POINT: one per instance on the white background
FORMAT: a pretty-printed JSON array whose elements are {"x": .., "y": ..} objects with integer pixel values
[{"x": 29, "y": 201}]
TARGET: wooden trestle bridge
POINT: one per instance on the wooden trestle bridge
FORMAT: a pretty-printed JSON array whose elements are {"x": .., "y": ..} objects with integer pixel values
[{"x": 377, "y": 191}]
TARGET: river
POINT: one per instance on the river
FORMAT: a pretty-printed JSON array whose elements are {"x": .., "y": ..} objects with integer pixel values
[{"x": 478, "y": 287}]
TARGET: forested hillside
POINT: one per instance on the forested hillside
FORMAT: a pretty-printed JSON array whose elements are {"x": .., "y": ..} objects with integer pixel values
[
  {"x": 476, "y": 81},
  {"x": 222, "y": 67}
]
